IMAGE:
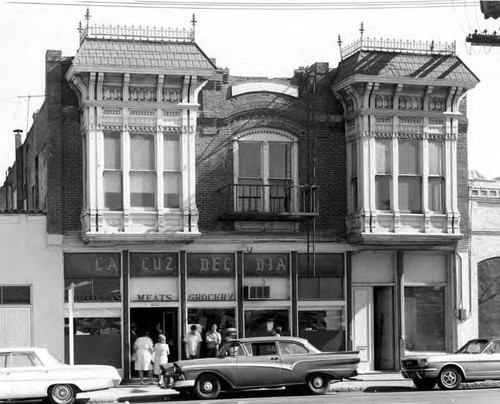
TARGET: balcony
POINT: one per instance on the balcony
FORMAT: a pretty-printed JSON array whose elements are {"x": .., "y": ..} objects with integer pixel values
[{"x": 267, "y": 203}]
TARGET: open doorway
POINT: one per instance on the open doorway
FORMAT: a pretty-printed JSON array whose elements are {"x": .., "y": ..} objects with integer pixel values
[
  {"x": 156, "y": 321},
  {"x": 383, "y": 324}
]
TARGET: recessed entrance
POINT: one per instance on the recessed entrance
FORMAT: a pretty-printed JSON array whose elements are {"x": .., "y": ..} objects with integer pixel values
[
  {"x": 383, "y": 324},
  {"x": 156, "y": 321}
]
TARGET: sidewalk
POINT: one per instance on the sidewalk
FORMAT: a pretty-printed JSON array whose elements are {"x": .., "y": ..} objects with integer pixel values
[{"x": 369, "y": 382}]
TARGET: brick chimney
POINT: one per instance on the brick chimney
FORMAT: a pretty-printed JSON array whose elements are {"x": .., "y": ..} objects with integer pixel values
[{"x": 18, "y": 133}]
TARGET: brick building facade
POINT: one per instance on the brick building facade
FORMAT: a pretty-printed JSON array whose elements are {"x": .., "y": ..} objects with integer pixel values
[{"x": 332, "y": 204}]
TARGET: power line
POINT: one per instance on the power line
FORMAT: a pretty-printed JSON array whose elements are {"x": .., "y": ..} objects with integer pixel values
[{"x": 231, "y": 5}]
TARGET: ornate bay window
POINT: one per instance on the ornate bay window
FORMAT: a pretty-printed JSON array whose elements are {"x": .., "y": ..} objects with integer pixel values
[
  {"x": 401, "y": 163},
  {"x": 138, "y": 122}
]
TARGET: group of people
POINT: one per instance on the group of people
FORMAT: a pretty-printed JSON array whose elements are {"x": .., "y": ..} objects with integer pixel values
[{"x": 149, "y": 356}]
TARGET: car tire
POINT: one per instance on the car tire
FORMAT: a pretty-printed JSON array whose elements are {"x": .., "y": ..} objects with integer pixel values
[
  {"x": 424, "y": 384},
  {"x": 449, "y": 378},
  {"x": 62, "y": 394},
  {"x": 318, "y": 384},
  {"x": 207, "y": 387}
]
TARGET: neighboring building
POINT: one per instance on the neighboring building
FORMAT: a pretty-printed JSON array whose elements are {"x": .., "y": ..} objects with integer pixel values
[
  {"x": 333, "y": 204},
  {"x": 31, "y": 285},
  {"x": 485, "y": 254}
]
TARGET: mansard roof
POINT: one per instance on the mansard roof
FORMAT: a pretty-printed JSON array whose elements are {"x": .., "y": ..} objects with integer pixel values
[
  {"x": 119, "y": 55},
  {"x": 442, "y": 69}
]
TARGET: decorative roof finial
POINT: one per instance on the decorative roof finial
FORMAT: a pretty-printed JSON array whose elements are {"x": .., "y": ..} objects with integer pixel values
[
  {"x": 361, "y": 31},
  {"x": 339, "y": 41},
  {"x": 80, "y": 28},
  {"x": 87, "y": 16},
  {"x": 193, "y": 22}
]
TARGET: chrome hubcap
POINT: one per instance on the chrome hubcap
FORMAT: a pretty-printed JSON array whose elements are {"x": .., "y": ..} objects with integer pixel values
[
  {"x": 62, "y": 393},
  {"x": 207, "y": 386},
  {"x": 317, "y": 382}
]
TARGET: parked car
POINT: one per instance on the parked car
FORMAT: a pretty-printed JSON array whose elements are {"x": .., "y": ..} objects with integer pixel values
[
  {"x": 249, "y": 363},
  {"x": 35, "y": 373},
  {"x": 478, "y": 359}
]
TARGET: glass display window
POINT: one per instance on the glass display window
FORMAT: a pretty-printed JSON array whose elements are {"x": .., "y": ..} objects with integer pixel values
[
  {"x": 260, "y": 323},
  {"x": 325, "y": 329}
]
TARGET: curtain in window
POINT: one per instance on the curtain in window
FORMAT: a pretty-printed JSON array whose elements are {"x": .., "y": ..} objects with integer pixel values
[{"x": 142, "y": 189}]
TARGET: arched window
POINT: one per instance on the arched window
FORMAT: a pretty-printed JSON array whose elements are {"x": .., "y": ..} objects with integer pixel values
[
  {"x": 489, "y": 297},
  {"x": 265, "y": 171}
]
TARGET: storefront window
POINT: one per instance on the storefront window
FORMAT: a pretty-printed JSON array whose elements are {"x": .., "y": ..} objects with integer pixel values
[
  {"x": 205, "y": 318},
  {"x": 266, "y": 277},
  {"x": 259, "y": 323},
  {"x": 325, "y": 329},
  {"x": 97, "y": 277},
  {"x": 321, "y": 276},
  {"x": 424, "y": 318},
  {"x": 97, "y": 341}
]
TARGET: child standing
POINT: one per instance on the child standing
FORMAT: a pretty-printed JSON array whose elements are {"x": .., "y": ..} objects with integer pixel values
[{"x": 160, "y": 357}]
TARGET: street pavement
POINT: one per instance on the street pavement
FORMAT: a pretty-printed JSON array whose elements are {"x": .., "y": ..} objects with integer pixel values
[{"x": 378, "y": 381}]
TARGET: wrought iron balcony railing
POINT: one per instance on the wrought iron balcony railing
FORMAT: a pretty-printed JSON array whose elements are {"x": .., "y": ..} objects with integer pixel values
[{"x": 252, "y": 200}]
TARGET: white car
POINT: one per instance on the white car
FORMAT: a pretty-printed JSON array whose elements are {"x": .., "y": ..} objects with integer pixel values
[{"x": 35, "y": 373}]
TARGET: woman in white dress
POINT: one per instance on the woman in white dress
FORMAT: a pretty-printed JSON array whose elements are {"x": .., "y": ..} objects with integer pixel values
[
  {"x": 143, "y": 348},
  {"x": 160, "y": 357}
]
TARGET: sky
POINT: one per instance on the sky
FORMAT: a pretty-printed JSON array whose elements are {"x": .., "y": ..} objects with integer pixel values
[{"x": 269, "y": 43}]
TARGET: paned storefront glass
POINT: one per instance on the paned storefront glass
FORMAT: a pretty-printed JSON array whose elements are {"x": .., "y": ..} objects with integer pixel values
[
  {"x": 260, "y": 323},
  {"x": 325, "y": 329},
  {"x": 97, "y": 340},
  {"x": 489, "y": 297},
  {"x": 205, "y": 318},
  {"x": 424, "y": 318},
  {"x": 321, "y": 277}
]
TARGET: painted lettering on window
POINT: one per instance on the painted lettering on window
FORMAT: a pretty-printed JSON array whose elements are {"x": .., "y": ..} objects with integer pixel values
[
  {"x": 160, "y": 297},
  {"x": 211, "y": 296},
  {"x": 106, "y": 264}
]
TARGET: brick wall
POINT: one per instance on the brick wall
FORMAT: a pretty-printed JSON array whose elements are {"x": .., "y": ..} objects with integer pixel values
[{"x": 320, "y": 140}]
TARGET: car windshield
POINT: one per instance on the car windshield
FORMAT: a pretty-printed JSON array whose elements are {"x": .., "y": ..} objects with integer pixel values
[{"x": 474, "y": 346}]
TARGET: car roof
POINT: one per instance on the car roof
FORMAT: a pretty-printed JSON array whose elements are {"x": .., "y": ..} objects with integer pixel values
[
  {"x": 22, "y": 349},
  {"x": 271, "y": 338}
]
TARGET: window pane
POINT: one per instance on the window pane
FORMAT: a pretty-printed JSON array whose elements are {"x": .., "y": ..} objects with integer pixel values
[
  {"x": 142, "y": 152},
  {"x": 383, "y": 156},
  {"x": 424, "y": 319},
  {"x": 409, "y": 194},
  {"x": 280, "y": 160},
  {"x": 436, "y": 194},
  {"x": 112, "y": 151},
  {"x": 409, "y": 157},
  {"x": 383, "y": 192},
  {"x": 249, "y": 196},
  {"x": 171, "y": 153},
  {"x": 435, "y": 158},
  {"x": 142, "y": 189},
  {"x": 16, "y": 295},
  {"x": 113, "y": 190},
  {"x": 250, "y": 159},
  {"x": 171, "y": 190},
  {"x": 260, "y": 323},
  {"x": 20, "y": 360},
  {"x": 325, "y": 329}
]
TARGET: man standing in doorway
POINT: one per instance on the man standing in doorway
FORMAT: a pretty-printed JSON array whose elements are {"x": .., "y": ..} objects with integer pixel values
[
  {"x": 192, "y": 342},
  {"x": 213, "y": 341}
]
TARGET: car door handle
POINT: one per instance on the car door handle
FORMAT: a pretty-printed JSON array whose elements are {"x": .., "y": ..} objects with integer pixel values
[{"x": 274, "y": 358}]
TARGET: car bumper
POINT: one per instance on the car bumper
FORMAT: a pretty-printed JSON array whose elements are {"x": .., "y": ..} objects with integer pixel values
[
  {"x": 183, "y": 384},
  {"x": 428, "y": 373}
]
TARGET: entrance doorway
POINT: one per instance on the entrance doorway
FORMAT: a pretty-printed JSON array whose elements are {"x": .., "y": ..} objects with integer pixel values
[
  {"x": 383, "y": 322},
  {"x": 155, "y": 321},
  {"x": 373, "y": 328}
]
